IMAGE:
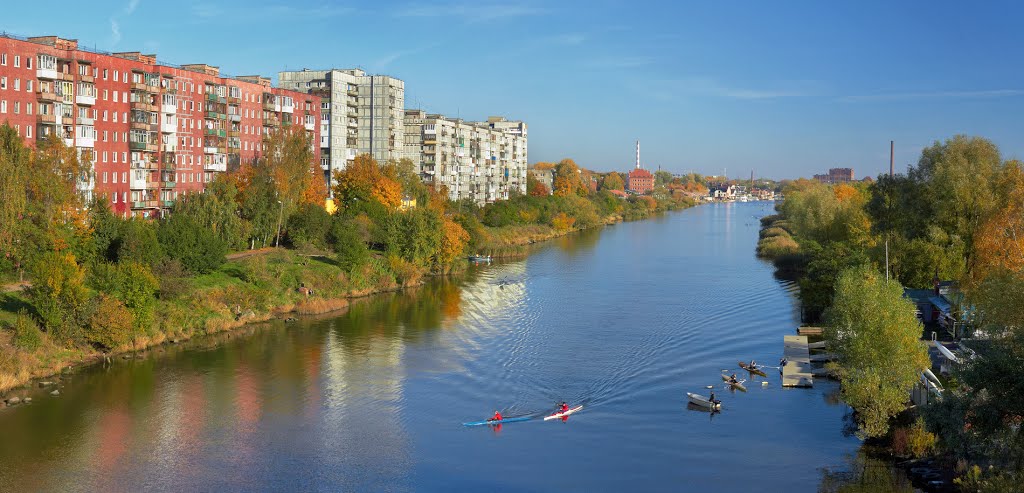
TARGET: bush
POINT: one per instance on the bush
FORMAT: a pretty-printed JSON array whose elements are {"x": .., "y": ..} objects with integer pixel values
[
  {"x": 772, "y": 231},
  {"x": 59, "y": 294},
  {"x": 27, "y": 335},
  {"x": 172, "y": 278},
  {"x": 137, "y": 242},
  {"x": 351, "y": 250},
  {"x": 777, "y": 246},
  {"x": 198, "y": 248},
  {"x": 309, "y": 226},
  {"x": 110, "y": 325}
]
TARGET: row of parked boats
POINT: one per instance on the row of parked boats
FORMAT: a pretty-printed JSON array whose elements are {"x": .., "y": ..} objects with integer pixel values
[{"x": 712, "y": 404}]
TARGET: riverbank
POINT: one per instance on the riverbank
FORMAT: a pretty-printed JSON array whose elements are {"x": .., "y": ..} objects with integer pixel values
[{"x": 251, "y": 287}]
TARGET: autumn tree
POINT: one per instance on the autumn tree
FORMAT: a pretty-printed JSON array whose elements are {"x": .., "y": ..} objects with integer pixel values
[
  {"x": 14, "y": 163},
  {"x": 613, "y": 181},
  {"x": 364, "y": 181},
  {"x": 567, "y": 179},
  {"x": 59, "y": 294},
  {"x": 453, "y": 241}
]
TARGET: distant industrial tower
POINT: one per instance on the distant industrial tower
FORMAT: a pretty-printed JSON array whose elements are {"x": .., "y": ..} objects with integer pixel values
[{"x": 638, "y": 154}]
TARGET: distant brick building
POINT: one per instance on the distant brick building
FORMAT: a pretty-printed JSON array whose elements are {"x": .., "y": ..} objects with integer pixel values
[
  {"x": 640, "y": 181},
  {"x": 836, "y": 175}
]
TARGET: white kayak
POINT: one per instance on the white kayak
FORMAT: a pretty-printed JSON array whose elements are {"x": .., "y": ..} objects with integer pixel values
[
  {"x": 563, "y": 414},
  {"x": 702, "y": 401}
]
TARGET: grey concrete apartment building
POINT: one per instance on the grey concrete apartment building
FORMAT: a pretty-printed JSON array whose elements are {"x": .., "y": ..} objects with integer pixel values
[
  {"x": 482, "y": 161},
  {"x": 360, "y": 114}
]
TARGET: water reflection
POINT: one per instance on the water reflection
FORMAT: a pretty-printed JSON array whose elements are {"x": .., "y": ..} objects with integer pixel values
[{"x": 864, "y": 474}]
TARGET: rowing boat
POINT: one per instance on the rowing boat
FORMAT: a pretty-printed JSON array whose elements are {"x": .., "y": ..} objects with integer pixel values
[
  {"x": 563, "y": 414},
  {"x": 752, "y": 369},
  {"x": 498, "y": 421},
  {"x": 700, "y": 400},
  {"x": 736, "y": 385}
]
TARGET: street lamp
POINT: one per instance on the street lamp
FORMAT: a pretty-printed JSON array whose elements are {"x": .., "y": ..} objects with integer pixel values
[{"x": 280, "y": 216}]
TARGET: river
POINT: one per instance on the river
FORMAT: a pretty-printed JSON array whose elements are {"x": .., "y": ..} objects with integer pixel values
[{"x": 624, "y": 321}]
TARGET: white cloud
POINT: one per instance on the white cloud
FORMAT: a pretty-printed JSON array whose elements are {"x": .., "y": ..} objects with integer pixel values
[
  {"x": 115, "y": 24},
  {"x": 115, "y": 32}
]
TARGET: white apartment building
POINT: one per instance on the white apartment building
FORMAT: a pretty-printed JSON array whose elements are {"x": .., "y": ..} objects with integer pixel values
[
  {"x": 360, "y": 114},
  {"x": 482, "y": 161}
]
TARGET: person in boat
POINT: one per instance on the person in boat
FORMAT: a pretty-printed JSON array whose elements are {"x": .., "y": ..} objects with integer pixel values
[
  {"x": 732, "y": 378},
  {"x": 782, "y": 362},
  {"x": 712, "y": 398},
  {"x": 563, "y": 408},
  {"x": 753, "y": 365},
  {"x": 496, "y": 417}
]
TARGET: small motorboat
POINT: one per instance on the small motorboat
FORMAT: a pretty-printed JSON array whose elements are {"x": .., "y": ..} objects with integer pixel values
[
  {"x": 479, "y": 258},
  {"x": 700, "y": 400}
]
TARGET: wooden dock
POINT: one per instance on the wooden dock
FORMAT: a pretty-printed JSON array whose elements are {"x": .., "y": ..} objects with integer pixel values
[
  {"x": 810, "y": 331},
  {"x": 798, "y": 369}
]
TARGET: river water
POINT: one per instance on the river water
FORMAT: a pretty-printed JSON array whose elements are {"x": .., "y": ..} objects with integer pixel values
[{"x": 624, "y": 321}]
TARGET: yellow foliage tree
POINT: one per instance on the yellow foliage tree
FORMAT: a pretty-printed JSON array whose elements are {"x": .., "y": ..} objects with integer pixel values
[
  {"x": 453, "y": 241},
  {"x": 364, "y": 180},
  {"x": 999, "y": 242},
  {"x": 562, "y": 221}
]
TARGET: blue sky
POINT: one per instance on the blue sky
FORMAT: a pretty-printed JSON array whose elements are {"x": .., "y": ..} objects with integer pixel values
[{"x": 784, "y": 88}]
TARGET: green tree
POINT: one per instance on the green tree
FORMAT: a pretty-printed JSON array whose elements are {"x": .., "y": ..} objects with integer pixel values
[
  {"x": 662, "y": 178},
  {"x": 196, "y": 246},
  {"x": 351, "y": 250},
  {"x": 613, "y": 181},
  {"x": 873, "y": 330},
  {"x": 137, "y": 242},
  {"x": 309, "y": 225},
  {"x": 59, "y": 294},
  {"x": 414, "y": 235}
]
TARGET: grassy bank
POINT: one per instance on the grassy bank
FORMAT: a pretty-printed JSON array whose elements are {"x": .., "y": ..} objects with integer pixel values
[
  {"x": 242, "y": 291},
  {"x": 250, "y": 289}
]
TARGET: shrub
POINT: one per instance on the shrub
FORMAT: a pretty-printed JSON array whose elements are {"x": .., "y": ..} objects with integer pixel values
[
  {"x": 137, "y": 242},
  {"x": 309, "y": 226},
  {"x": 777, "y": 246},
  {"x": 59, "y": 294},
  {"x": 172, "y": 278},
  {"x": 772, "y": 231},
  {"x": 352, "y": 252},
  {"x": 562, "y": 221},
  {"x": 198, "y": 248},
  {"x": 110, "y": 325},
  {"x": 27, "y": 335}
]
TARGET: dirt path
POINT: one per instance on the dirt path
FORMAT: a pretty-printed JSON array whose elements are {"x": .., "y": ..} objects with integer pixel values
[
  {"x": 14, "y": 286},
  {"x": 250, "y": 253}
]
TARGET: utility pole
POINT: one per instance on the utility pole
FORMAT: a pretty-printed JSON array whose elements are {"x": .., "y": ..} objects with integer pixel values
[{"x": 892, "y": 148}]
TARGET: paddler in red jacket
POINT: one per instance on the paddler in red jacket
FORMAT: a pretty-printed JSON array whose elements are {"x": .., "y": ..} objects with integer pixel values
[
  {"x": 496, "y": 417},
  {"x": 565, "y": 407}
]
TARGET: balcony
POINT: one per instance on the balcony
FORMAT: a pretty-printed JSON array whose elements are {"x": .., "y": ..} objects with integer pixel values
[
  {"x": 216, "y": 132},
  {"x": 146, "y": 126},
  {"x": 168, "y": 203},
  {"x": 48, "y": 97},
  {"x": 85, "y": 100},
  {"x": 167, "y": 160},
  {"x": 169, "y": 109},
  {"x": 142, "y": 86},
  {"x": 142, "y": 146},
  {"x": 221, "y": 166},
  {"x": 310, "y": 126},
  {"x": 83, "y": 120},
  {"x": 169, "y": 128},
  {"x": 143, "y": 106},
  {"x": 352, "y": 122},
  {"x": 49, "y": 73},
  {"x": 271, "y": 122},
  {"x": 269, "y": 106},
  {"x": 288, "y": 108},
  {"x": 210, "y": 150},
  {"x": 89, "y": 142},
  {"x": 168, "y": 148},
  {"x": 137, "y": 183},
  {"x": 213, "y": 98},
  {"x": 234, "y": 117},
  {"x": 167, "y": 184},
  {"x": 47, "y": 118}
]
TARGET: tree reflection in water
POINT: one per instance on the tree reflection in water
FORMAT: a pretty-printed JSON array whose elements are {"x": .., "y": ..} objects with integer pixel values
[{"x": 864, "y": 474}]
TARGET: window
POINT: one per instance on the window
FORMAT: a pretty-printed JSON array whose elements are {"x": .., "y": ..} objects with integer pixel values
[
  {"x": 105, "y": 95},
  {"x": 17, "y": 84},
  {"x": 124, "y": 157},
  {"x": 3, "y": 82},
  {"x": 104, "y": 74},
  {"x": 3, "y": 106},
  {"x": 17, "y": 60},
  {"x": 124, "y": 196},
  {"x": 114, "y": 196},
  {"x": 28, "y": 128},
  {"x": 115, "y": 177},
  {"x": 115, "y": 78},
  {"x": 104, "y": 160},
  {"x": 115, "y": 98},
  {"x": 115, "y": 116},
  {"x": 28, "y": 84},
  {"x": 124, "y": 174},
  {"x": 17, "y": 108},
  {"x": 104, "y": 136},
  {"x": 28, "y": 63},
  {"x": 3, "y": 58}
]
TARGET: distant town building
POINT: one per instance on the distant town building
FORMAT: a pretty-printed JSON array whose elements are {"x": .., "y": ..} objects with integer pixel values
[
  {"x": 836, "y": 175},
  {"x": 482, "y": 161},
  {"x": 639, "y": 180},
  {"x": 546, "y": 177}
]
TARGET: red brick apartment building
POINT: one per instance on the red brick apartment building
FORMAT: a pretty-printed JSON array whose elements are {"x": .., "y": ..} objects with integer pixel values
[{"x": 153, "y": 132}]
